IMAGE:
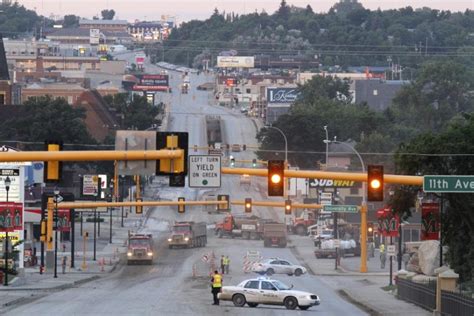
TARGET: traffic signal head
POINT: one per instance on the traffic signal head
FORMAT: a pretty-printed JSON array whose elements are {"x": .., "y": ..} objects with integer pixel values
[
  {"x": 375, "y": 183},
  {"x": 288, "y": 207},
  {"x": 139, "y": 208},
  {"x": 248, "y": 205},
  {"x": 254, "y": 163},
  {"x": 232, "y": 161},
  {"x": 244, "y": 147},
  {"x": 276, "y": 169},
  {"x": 52, "y": 169},
  {"x": 181, "y": 208}
]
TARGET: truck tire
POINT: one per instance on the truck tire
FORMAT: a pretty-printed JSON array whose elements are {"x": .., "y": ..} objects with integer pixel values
[{"x": 246, "y": 235}]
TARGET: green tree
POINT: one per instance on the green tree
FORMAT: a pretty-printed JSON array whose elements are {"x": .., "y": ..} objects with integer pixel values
[
  {"x": 70, "y": 21},
  {"x": 107, "y": 14},
  {"x": 44, "y": 118}
]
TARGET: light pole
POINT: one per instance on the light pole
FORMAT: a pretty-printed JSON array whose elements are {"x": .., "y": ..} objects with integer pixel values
[
  {"x": 122, "y": 195},
  {"x": 363, "y": 211},
  {"x": 110, "y": 210},
  {"x": 56, "y": 197},
  {"x": 95, "y": 223},
  {"x": 286, "y": 141},
  {"x": 5, "y": 265},
  {"x": 327, "y": 146}
]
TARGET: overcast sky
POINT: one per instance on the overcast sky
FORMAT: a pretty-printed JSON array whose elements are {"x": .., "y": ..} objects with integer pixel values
[{"x": 186, "y": 10}]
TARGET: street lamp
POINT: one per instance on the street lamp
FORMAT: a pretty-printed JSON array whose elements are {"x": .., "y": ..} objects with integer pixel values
[
  {"x": 5, "y": 265},
  {"x": 122, "y": 195},
  {"x": 110, "y": 209},
  {"x": 56, "y": 197},
  {"x": 327, "y": 146},
  {"x": 363, "y": 210},
  {"x": 286, "y": 140},
  {"x": 95, "y": 223}
]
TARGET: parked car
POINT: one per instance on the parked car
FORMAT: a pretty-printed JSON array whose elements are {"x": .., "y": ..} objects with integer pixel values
[
  {"x": 269, "y": 292},
  {"x": 278, "y": 266}
]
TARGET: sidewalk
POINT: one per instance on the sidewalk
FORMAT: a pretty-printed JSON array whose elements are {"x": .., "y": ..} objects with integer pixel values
[
  {"x": 32, "y": 285},
  {"x": 362, "y": 289}
]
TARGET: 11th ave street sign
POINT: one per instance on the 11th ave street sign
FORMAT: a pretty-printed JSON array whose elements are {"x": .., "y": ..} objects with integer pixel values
[
  {"x": 204, "y": 171},
  {"x": 341, "y": 208},
  {"x": 448, "y": 184}
]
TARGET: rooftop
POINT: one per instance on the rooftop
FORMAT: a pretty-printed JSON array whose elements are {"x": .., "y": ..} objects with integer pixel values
[{"x": 103, "y": 22}]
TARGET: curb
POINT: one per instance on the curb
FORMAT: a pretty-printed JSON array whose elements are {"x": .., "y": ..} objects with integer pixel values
[{"x": 357, "y": 302}]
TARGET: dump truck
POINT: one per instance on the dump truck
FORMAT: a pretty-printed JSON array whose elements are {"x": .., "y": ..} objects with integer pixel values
[
  {"x": 140, "y": 249},
  {"x": 247, "y": 227},
  {"x": 188, "y": 235},
  {"x": 274, "y": 235}
]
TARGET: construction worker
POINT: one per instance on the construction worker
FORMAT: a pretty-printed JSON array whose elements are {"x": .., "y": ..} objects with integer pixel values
[
  {"x": 226, "y": 264},
  {"x": 216, "y": 286},
  {"x": 383, "y": 256},
  {"x": 222, "y": 264}
]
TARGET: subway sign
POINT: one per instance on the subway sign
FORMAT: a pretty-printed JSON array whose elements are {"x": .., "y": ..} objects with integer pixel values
[{"x": 330, "y": 183}]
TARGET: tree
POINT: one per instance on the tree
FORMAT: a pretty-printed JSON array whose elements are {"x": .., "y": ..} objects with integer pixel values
[
  {"x": 44, "y": 118},
  {"x": 107, "y": 14},
  {"x": 434, "y": 154},
  {"x": 70, "y": 20}
]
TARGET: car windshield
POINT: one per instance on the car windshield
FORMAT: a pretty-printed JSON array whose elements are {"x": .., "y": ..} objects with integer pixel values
[
  {"x": 280, "y": 285},
  {"x": 181, "y": 228},
  {"x": 139, "y": 242}
]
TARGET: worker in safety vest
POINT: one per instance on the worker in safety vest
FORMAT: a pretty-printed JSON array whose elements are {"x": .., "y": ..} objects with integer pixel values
[
  {"x": 226, "y": 264},
  {"x": 216, "y": 285}
]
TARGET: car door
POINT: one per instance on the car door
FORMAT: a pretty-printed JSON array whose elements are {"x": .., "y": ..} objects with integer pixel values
[
  {"x": 286, "y": 267},
  {"x": 276, "y": 266},
  {"x": 252, "y": 291},
  {"x": 269, "y": 293}
]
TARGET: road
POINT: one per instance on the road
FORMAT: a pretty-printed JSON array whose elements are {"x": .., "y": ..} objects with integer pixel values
[{"x": 177, "y": 283}]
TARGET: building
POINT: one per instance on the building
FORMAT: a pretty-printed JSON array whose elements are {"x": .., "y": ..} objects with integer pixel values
[
  {"x": 378, "y": 94},
  {"x": 5, "y": 83},
  {"x": 104, "y": 25},
  {"x": 70, "y": 92},
  {"x": 76, "y": 38},
  {"x": 150, "y": 31}
]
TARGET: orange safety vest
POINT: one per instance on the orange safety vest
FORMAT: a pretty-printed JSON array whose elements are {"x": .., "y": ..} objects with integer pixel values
[{"x": 217, "y": 281}]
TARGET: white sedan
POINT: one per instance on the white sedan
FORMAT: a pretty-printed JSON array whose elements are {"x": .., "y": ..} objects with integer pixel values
[
  {"x": 280, "y": 266},
  {"x": 269, "y": 292}
]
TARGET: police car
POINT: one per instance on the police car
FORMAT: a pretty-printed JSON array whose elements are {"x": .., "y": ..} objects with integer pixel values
[{"x": 268, "y": 292}]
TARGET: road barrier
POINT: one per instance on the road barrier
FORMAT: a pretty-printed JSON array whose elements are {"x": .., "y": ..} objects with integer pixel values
[
  {"x": 205, "y": 266},
  {"x": 250, "y": 259}
]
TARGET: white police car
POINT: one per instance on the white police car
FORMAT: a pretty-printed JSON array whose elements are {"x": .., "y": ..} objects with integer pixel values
[{"x": 269, "y": 292}]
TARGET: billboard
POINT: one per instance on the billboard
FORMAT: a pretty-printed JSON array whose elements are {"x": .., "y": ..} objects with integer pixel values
[
  {"x": 152, "y": 83},
  {"x": 388, "y": 223},
  {"x": 235, "y": 61},
  {"x": 94, "y": 36},
  {"x": 15, "y": 187},
  {"x": 11, "y": 216},
  {"x": 281, "y": 95},
  {"x": 330, "y": 183},
  {"x": 90, "y": 185}
]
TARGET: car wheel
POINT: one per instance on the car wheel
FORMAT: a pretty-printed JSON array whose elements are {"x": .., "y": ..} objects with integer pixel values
[
  {"x": 290, "y": 302},
  {"x": 270, "y": 271},
  {"x": 290, "y": 274},
  {"x": 252, "y": 304},
  {"x": 303, "y": 308},
  {"x": 298, "y": 272},
  {"x": 238, "y": 300}
]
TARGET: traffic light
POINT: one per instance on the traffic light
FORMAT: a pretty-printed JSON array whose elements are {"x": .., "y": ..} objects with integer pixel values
[
  {"x": 43, "y": 231},
  {"x": 244, "y": 147},
  {"x": 276, "y": 169},
  {"x": 248, "y": 205},
  {"x": 223, "y": 207},
  {"x": 254, "y": 163},
  {"x": 370, "y": 231},
  {"x": 288, "y": 207},
  {"x": 181, "y": 208},
  {"x": 375, "y": 183},
  {"x": 139, "y": 208},
  {"x": 232, "y": 161},
  {"x": 52, "y": 169}
]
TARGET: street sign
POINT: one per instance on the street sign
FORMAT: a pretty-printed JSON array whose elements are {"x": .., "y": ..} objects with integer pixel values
[
  {"x": 204, "y": 171},
  {"x": 341, "y": 208},
  {"x": 391, "y": 250},
  {"x": 325, "y": 198},
  {"x": 448, "y": 184}
]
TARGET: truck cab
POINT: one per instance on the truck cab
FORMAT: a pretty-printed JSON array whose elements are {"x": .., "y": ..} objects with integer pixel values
[{"x": 140, "y": 248}]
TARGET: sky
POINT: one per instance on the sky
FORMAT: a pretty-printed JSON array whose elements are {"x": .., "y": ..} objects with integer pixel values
[{"x": 185, "y": 10}]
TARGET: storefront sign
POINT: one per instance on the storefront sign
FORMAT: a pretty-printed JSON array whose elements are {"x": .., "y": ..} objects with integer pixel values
[
  {"x": 11, "y": 216},
  {"x": 429, "y": 221}
]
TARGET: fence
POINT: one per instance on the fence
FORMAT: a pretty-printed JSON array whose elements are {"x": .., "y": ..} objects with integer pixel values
[
  {"x": 456, "y": 304},
  {"x": 423, "y": 295}
]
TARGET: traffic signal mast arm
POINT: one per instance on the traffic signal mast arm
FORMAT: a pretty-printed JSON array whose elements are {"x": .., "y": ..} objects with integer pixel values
[
  {"x": 92, "y": 155},
  {"x": 356, "y": 176},
  {"x": 88, "y": 205}
]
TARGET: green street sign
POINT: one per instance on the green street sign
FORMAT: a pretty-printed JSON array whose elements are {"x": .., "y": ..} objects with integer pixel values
[
  {"x": 341, "y": 208},
  {"x": 448, "y": 184}
]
